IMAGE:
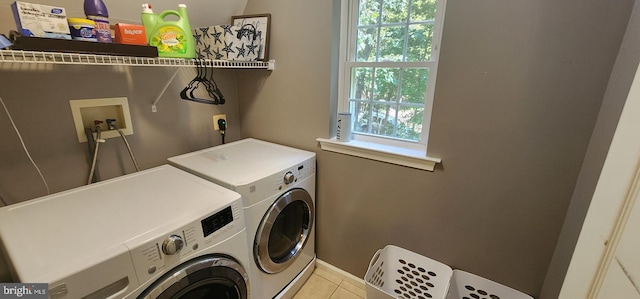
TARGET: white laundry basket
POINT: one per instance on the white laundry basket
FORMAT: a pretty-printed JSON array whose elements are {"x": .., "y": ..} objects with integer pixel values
[
  {"x": 395, "y": 272},
  {"x": 465, "y": 285}
]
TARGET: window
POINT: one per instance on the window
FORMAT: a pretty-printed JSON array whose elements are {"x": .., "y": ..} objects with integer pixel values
[
  {"x": 389, "y": 59},
  {"x": 390, "y": 67}
]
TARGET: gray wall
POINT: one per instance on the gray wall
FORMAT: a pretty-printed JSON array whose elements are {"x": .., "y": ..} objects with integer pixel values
[
  {"x": 618, "y": 87},
  {"x": 519, "y": 89},
  {"x": 38, "y": 99}
]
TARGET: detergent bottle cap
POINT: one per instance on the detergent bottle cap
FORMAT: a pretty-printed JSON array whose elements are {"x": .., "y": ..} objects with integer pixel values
[
  {"x": 95, "y": 8},
  {"x": 146, "y": 8}
]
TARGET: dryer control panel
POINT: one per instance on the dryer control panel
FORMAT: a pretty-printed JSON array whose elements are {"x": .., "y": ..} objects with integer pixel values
[
  {"x": 283, "y": 180},
  {"x": 169, "y": 249},
  {"x": 276, "y": 183},
  {"x": 300, "y": 172}
]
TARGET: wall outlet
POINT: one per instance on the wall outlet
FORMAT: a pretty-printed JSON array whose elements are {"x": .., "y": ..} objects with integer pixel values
[{"x": 215, "y": 121}]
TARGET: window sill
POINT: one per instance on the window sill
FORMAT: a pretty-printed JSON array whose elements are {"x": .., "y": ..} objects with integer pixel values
[{"x": 378, "y": 152}]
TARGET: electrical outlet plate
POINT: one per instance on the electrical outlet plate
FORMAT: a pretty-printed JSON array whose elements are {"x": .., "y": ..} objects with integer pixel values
[
  {"x": 215, "y": 121},
  {"x": 86, "y": 111}
]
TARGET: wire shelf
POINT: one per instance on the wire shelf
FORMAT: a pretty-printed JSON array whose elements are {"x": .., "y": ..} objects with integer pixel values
[{"x": 93, "y": 59}]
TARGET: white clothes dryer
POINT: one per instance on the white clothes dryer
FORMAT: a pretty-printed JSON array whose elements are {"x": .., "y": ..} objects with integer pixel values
[
  {"x": 159, "y": 233},
  {"x": 277, "y": 184}
]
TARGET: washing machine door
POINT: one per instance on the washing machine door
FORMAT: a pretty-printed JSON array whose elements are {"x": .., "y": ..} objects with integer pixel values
[
  {"x": 200, "y": 278},
  {"x": 284, "y": 230}
]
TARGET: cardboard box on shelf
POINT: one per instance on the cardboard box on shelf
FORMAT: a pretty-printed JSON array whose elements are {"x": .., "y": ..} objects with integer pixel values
[
  {"x": 40, "y": 20},
  {"x": 130, "y": 34}
]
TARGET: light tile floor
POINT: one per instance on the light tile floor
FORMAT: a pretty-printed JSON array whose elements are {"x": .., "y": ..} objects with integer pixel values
[{"x": 324, "y": 285}]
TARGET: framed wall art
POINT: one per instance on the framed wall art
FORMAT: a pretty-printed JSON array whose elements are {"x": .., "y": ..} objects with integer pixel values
[{"x": 262, "y": 24}]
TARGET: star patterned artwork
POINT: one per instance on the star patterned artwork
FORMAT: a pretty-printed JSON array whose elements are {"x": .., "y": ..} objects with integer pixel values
[
  {"x": 262, "y": 25},
  {"x": 229, "y": 42}
]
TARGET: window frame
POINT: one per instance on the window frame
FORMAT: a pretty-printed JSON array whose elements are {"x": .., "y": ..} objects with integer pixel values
[
  {"x": 407, "y": 153},
  {"x": 349, "y": 18}
]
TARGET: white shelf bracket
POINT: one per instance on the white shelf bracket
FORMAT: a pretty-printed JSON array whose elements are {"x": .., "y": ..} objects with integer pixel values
[{"x": 153, "y": 106}]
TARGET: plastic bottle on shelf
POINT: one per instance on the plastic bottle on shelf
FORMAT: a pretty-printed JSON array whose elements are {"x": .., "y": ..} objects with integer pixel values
[
  {"x": 96, "y": 10},
  {"x": 148, "y": 19},
  {"x": 172, "y": 38}
]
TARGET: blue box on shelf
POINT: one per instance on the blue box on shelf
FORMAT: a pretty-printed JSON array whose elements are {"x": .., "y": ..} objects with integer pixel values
[{"x": 38, "y": 20}]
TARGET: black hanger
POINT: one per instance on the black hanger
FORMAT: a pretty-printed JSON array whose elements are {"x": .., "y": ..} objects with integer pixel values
[{"x": 207, "y": 81}]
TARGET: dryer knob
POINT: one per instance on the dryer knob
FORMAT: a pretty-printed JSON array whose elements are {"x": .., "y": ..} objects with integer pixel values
[
  {"x": 289, "y": 178},
  {"x": 172, "y": 245}
]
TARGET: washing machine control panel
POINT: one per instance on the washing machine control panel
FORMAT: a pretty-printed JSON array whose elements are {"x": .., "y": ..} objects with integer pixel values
[
  {"x": 172, "y": 245},
  {"x": 165, "y": 249}
]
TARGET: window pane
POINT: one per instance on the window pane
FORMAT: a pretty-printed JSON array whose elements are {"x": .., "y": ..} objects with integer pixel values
[
  {"x": 414, "y": 85},
  {"x": 391, "y": 43},
  {"x": 366, "y": 44},
  {"x": 419, "y": 45},
  {"x": 386, "y": 120},
  {"x": 361, "y": 83},
  {"x": 410, "y": 122},
  {"x": 380, "y": 121},
  {"x": 395, "y": 11},
  {"x": 386, "y": 84},
  {"x": 369, "y": 12},
  {"x": 423, "y": 10},
  {"x": 383, "y": 120},
  {"x": 362, "y": 114}
]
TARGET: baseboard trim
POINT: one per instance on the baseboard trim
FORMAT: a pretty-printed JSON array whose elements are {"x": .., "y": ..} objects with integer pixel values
[{"x": 344, "y": 275}]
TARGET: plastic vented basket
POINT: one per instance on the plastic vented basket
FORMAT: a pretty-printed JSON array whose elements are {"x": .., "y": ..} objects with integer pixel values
[
  {"x": 465, "y": 285},
  {"x": 395, "y": 272}
]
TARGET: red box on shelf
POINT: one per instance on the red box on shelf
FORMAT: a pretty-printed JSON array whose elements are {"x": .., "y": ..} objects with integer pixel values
[{"x": 130, "y": 34}]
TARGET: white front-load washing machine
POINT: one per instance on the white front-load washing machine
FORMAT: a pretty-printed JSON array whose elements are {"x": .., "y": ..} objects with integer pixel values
[
  {"x": 159, "y": 233},
  {"x": 277, "y": 184}
]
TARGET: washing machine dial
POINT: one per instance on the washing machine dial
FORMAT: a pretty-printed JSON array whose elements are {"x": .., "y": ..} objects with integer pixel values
[
  {"x": 289, "y": 177},
  {"x": 172, "y": 245}
]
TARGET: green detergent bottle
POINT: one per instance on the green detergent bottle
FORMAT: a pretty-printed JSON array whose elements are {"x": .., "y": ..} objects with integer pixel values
[{"x": 172, "y": 38}]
